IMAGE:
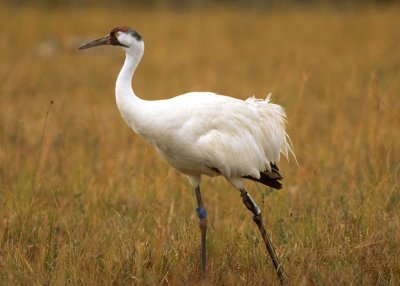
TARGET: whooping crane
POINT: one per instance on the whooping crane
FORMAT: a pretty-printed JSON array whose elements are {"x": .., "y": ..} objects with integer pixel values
[{"x": 202, "y": 133}]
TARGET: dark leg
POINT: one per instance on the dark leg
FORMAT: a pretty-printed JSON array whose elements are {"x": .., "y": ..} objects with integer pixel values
[
  {"x": 251, "y": 206},
  {"x": 202, "y": 214}
]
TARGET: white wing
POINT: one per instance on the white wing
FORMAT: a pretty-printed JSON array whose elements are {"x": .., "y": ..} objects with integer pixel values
[{"x": 199, "y": 133}]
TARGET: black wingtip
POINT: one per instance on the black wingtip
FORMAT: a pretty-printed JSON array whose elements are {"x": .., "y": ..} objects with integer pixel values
[{"x": 269, "y": 178}]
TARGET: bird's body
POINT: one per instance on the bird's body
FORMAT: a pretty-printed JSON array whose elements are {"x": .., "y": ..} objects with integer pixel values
[{"x": 202, "y": 133}]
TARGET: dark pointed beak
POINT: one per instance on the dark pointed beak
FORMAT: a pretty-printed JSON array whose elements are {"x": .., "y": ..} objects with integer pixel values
[{"x": 99, "y": 42}]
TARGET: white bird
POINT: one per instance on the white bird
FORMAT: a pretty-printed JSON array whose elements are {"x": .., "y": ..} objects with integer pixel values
[{"x": 203, "y": 133}]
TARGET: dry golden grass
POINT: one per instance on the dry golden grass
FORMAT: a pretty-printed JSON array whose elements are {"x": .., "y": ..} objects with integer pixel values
[{"x": 85, "y": 201}]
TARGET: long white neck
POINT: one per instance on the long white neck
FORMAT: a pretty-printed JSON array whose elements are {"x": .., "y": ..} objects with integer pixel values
[{"x": 132, "y": 108}]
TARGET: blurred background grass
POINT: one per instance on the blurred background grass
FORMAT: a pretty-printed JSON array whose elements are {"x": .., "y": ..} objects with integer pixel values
[{"x": 85, "y": 201}]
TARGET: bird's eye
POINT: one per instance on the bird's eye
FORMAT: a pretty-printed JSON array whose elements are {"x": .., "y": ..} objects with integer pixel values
[{"x": 116, "y": 34}]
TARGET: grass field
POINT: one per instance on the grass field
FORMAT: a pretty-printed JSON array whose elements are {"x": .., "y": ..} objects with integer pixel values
[{"x": 84, "y": 201}]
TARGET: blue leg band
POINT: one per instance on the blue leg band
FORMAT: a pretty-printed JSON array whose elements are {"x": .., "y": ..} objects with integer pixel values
[{"x": 201, "y": 212}]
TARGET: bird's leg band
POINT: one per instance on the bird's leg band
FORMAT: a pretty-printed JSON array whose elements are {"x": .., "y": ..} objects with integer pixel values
[
  {"x": 250, "y": 204},
  {"x": 201, "y": 212}
]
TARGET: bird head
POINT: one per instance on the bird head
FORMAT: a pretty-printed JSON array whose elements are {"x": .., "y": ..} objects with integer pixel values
[{"x": 124, "y": 37}]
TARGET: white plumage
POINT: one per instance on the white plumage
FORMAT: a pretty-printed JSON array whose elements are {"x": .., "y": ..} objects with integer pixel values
[{"x": 202, "y": 133}]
